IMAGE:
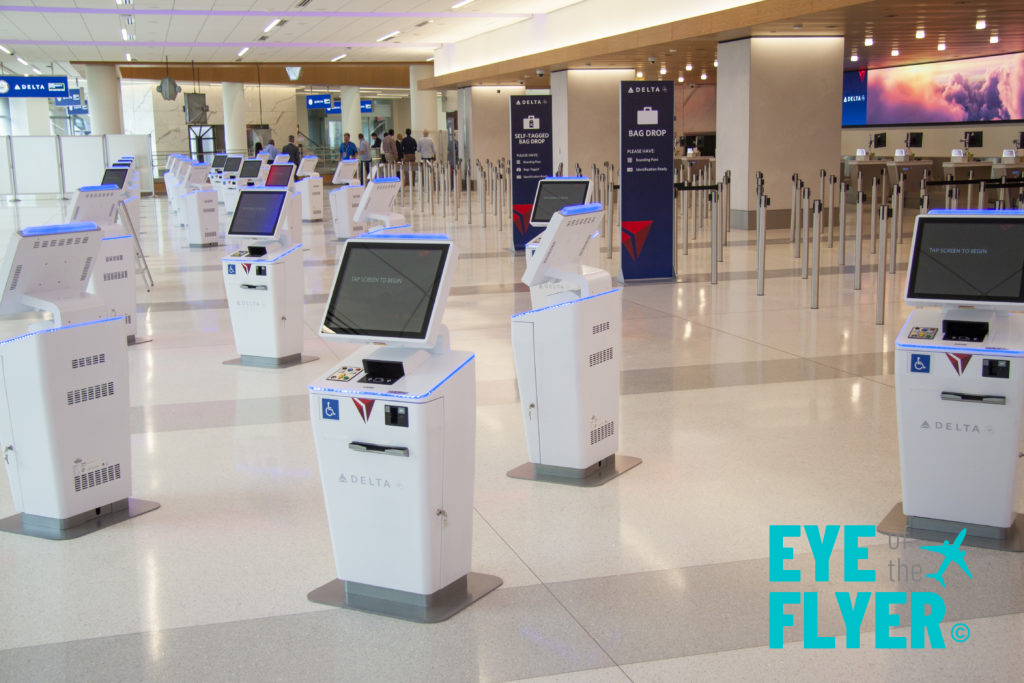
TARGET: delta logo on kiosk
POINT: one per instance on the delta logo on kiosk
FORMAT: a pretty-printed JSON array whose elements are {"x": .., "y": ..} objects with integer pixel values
[
  {"x": 959, "y": 361},
  {"x": 365, "y": 407}
]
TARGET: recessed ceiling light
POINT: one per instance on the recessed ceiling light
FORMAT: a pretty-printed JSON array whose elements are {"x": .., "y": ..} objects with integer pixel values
[
  {"x": 941, "y": 46},
  {"x": 429, "y": 59},
  {"x": 703, "y": 75},
  {"x": 243, "y": 50},
  {"x": 272, "y": 25},
  {"x": 920, "y": 34},
  {"x": 339, "y": 58},
  {"x": 895, "y": 52},
  {"x": 689, "y": 67},
  {"x": 21, "y": 61},
  {"x": 128, "y": 56},
  {"x": 681, "y": 79},
  {"x": 463, "y": 3},
  {"x": 6, "y": 50},
  {"x": 854, "y": 57},
  {"x": 716, "y": 63},
  {"x": 994, "y": 38},
  {"x": 37, "y": 71},
  {"x": 869, "y": 41},
  {"x": 980, "y": 24},
  {"x": 639, "y": 73},
  {"x": 663, "y": 71},
  {"x": 124, "y": 33},
  {"x": 389, "y": 36}
]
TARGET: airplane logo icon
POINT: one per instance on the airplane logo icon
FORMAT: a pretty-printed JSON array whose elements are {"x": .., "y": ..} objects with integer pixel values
[{"x": 950, "y": 553}]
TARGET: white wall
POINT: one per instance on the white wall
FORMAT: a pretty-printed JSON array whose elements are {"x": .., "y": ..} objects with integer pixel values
[
  {"x": 585, "y": 112},
  {"x": 485, "y": 121},
  {"x": 695, "y": 109}
]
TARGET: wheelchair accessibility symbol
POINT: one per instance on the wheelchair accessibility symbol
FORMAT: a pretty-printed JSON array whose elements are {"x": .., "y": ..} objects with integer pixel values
[
  {"x": 920, "y": 362},
  {"x": 329, "y": 408}
]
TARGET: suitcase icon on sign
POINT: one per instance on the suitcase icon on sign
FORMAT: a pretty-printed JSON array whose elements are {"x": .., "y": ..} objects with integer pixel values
[
  {"x": 531, "y": 122},
  {"x": 647, "y": 117}
]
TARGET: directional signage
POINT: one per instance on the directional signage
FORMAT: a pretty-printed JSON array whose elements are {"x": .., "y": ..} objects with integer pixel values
[
  {"x": 532, "y": 158},
  {"x": 33, "y": 86},
  {"x": 646, "y": 122},
  {"x": 318, "y": 101},
  {"x": 366, "y": 106},
  {"x": 335, "y": 107},
  {"x": 74, "y": 99}
]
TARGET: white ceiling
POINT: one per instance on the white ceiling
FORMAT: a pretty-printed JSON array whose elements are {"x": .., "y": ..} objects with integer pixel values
[{"x": 53, "y": 31}]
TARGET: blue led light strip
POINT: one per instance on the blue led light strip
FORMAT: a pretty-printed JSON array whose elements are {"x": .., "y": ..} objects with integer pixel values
[
  {"x": 565, "y": 303},
  {"x": 57, "y": 329},
  {"x": 97, "y": 188},
  {"x": 40, "y": 230},
  {"x": 577, "y": 209}
]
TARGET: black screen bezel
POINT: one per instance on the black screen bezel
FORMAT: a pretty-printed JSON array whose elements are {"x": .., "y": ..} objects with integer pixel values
[
  {"x": 553, "y": 183},
  {"x": 232, "y": 170},
  {"x": 421, "y": 334},
  {"x": 270, "y": 175},
  {"x": 252, "y": 162},
  {"x": 239, "y": 232},
  {"x": 218, "y": 157},
  {"x": 122, "y": 170},
  {"x": 923, "y": 224}
]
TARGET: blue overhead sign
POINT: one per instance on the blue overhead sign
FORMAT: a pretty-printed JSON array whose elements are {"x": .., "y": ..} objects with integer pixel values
[
  {"x": 79, "y": 110},
  {"x": 33, "y": 86},
  {"x": 318, "y": 101},
  {"x": 366, "y": 106},
  {"x": 335, "y": 107},
  {"x": 74, "y": 99}
]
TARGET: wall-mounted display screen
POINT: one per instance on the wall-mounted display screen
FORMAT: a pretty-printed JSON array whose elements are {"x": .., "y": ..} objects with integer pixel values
[
  {"x": 915, "y": 139},
  {"x": 979, "y": 89},
  {"x": 973, "y": 138}
]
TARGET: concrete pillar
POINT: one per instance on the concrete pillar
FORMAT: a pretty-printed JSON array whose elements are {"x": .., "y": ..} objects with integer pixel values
[
  {"x": 778, "y": 111},
  {"x": 351, "y": 119},
  {"x": 235, "y": 141},
  {"x": 422, "y": 103},
  {"x": 585, "y": 113},
  {"x": 5, "y": 116},
  {"x": 483, "y": 121},
  {"x": 30, "y": 116},
  {"x": 103, "y": 90}
]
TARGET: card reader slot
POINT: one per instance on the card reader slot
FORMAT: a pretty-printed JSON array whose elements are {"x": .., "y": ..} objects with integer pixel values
[
  {"x": 260, "y": 287},
  {"x": 973, "y": 398},
  {"x": 364, "y": 447}
]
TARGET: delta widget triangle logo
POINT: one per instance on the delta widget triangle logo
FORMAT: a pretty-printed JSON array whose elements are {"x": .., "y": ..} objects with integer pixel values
[
  {"x": 634, "y": 235},
  {"x": 365, "y": 407},
  {"x": 959, "y": 361}
]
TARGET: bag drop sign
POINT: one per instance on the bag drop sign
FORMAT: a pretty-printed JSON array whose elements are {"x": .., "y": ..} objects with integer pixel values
[{"x": 531, "y": 155}]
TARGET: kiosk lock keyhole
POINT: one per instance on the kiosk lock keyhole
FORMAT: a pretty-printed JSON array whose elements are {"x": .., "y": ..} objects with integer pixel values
[
  {"x": 443, "y": 514},
  {"x": 7, "y": 454}
]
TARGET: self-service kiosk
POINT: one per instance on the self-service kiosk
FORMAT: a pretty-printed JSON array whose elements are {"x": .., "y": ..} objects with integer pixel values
[
  {"x": 64, "y": 414},
  {"x": 346, "y": 172},
  {"x": 198, "y": 211},
  {"x": 226, "y": 176},
  {"x": 113, "y": 275},
  {"x": 253, "y": 173},
  {"x": 310, "y": 186},
  {"x": 960, "y": 380},
  {"x": 264, "y": 282},
  {"x": 281, "y": 175},
  {"x": 567, "y": 356},
  {"x": 355, "y": 207},
  {"x": 395, "y": 427}
]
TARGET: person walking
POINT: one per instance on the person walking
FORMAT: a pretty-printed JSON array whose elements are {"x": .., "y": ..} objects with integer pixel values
[
  {"x": 271, "y": 150},
  {"x": 348, "y": 148},
  {"x": 293, "y": 154},
  {"x": 364, "y": 159},
  {"x": 426, "y": 147},
  {"x": 389, "y": 148}
]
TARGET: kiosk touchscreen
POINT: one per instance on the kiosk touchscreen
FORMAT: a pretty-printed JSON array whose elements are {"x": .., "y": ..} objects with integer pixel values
[
  {"x": 63, "y": 390},
  {"x": 346, "y": 173},
  {"x": 376, "y": 203},
  {"x": 554, "y": 193},
  {"x": 250, "y": 169},
  {"x": 310, "y": 186},
  {"x": 218, "y": 162},
  {"x": 567, "y": 355},
  {"x": 395, "y": 427},
  {"x": 960, "y": 379},
  {"x": 264, "y": 283},
  {"x": 232, "y": 164},
  {"x": 280, "y": 175},
  {"x": 115, "y": 176}
]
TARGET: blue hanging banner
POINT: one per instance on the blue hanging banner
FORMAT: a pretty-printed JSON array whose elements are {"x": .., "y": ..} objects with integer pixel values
[
  {"x": 74, "y": 99},
  {"x": 366, "y": 106},
  {"x": 33, "y": 86},
  {"x": 335, "y": 107},
  {"x": 531, "y": 159},
  {"x": 79, "y": 109},
  {"x": 318, "y": 101},
  {"x": 645, "y": 159}
]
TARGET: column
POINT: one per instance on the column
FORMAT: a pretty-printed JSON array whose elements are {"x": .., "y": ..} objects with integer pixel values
[
  {"x": 422, "y": 103},
  {"x": 779, "y": 111},
  {"x": 351, "y": 119},
  {"x": 483, "y": 121},
  {"x": 30, "y": 116},
  {"x": 235, "y": 141},
  {"x": 5, "y": 116},
  {"x": 103, "y": 89},
  {"x": 585, "y": 109}
]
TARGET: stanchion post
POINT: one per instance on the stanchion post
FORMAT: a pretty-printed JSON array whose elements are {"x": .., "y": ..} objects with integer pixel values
[
  {"x": 858, "y": 242},
  {"x": 883, "y": 213},
  {"x": 762, "y": 207},
  {"x": 896, "y": 199},
  {"x": 714, "y": 248},
  {"x": 874, "y": 211},
  {"x": 793, "y": 208},
  {"x": 831, "y": 207},
  {"x": 816, "y": 253},
  {"x": 843, "y": 189},
  {"x": 806, "y": 233}
]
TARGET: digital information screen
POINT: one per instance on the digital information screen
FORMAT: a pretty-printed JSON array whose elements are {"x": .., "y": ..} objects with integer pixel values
[
  {"x": 232, "y": 164},
  {"x": 279, "y": 176},
  {"x": 552, "y": 195},
  {"x": 256, "y": 213},
  {"x": 114, "y": 176},
  {"x": 218, "y": 161},
  {"x": 250, "y": 168},
  {"x": 386, "y": 290},
  {"x": 968, "y": 260}
]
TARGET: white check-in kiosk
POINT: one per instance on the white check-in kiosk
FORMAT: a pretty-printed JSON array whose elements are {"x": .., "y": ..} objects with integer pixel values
[
  {"x": 356, "y": 207},
  {"x": 113, "y": 274},
  {"x": 310, "y": 186},
  {"x": 253, "y": 173},
  {"x": 264, "y": 283},
  {"x": 227, "y": 175},
  {"x": 282, "y": 159},
  {"x": 960, "y": 380},
  {"x": 346, "y": 172},
  {"x": 567, "y": 357},
  {"x": 177, "y": 184},
  {"x": 198, "y": 212},
  {"x": 64, "y": 412},
  {"x": 395, "y": 429},
  {"x": 552, "y": 194}
]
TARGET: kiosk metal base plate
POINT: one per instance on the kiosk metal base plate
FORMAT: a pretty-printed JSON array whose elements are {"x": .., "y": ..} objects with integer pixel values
[
  {"x": 978, "y": 535},
  {"x": 134, "y": 340},
  {"x": 267, "y": 362},
  {"x": 60, "y": 529},
  {"x": 601, "y": 472},
  {"x": 424, "y": 609}
]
